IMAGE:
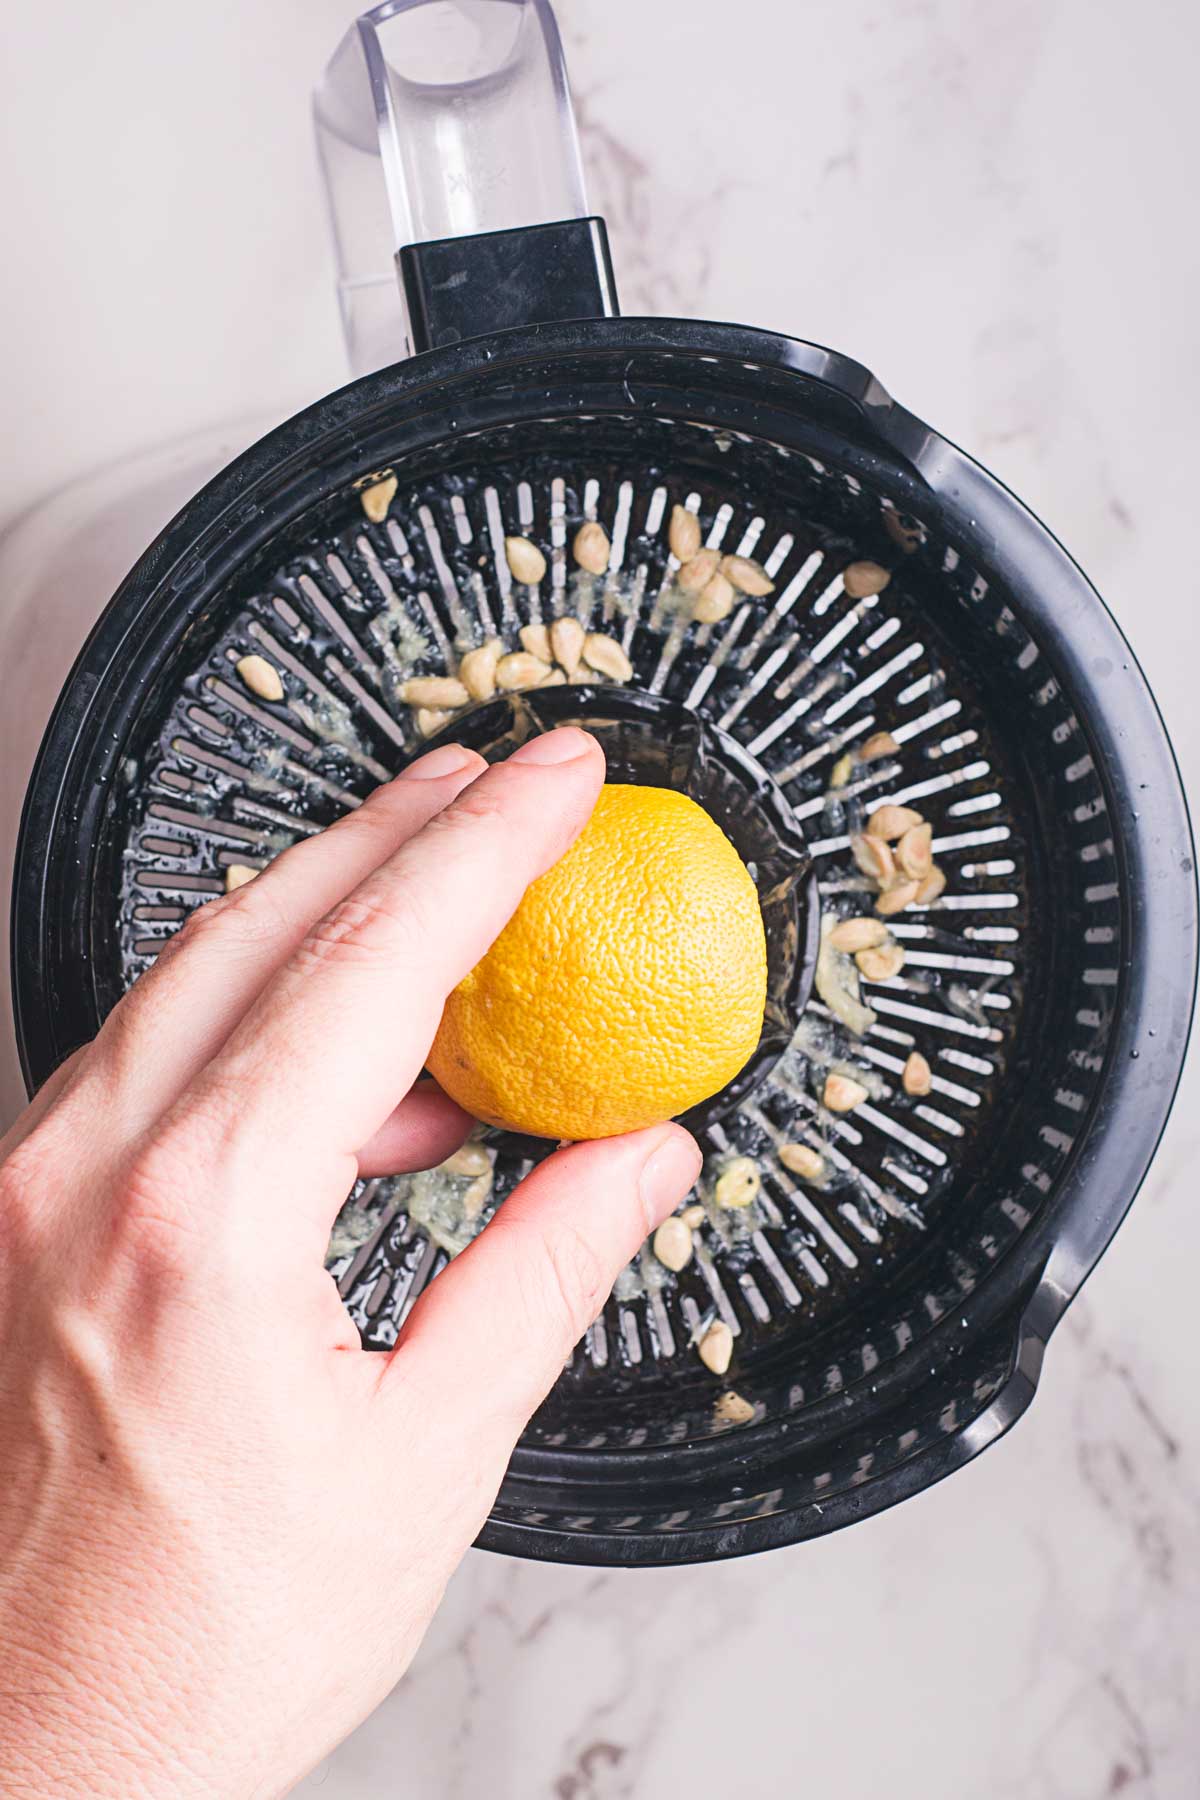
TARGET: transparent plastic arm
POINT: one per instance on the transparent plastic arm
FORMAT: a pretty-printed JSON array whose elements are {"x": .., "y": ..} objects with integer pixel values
[{"x": 439, "y": 119}]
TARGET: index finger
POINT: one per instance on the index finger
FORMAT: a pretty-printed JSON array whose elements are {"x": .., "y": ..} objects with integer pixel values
[{"x": 341, "y": 1032}]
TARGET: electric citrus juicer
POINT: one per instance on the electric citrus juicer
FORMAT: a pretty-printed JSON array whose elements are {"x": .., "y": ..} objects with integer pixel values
[{"x": 888, "y": 1317}]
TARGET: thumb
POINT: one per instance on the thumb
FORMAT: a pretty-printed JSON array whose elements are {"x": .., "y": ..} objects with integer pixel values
[{"x": 490, "y": 1336}]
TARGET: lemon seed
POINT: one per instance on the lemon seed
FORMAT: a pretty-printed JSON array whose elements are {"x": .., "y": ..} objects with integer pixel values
[
  {"x": 739, "y": 1184},
  {"x": 880, "y": 743},
  {"x": 693, "y": 1216},
  {"x": 237, "y": 875},
  {"x": 477, "y": 670},
  {"x": 932, "y": 887},
  {"x": 891, "y": 822},
  {"x": 802, "y": 1160},
  {"x": 732, "y": 1409},
  {"x": 261, "y": 677},
  {"x": 377, "y": 498},
  {"x": 856, "y": 934},
  {"x": 475, "y": 1195},
  {"x": 918, "y": 1076},
  {"x": 606, "y": 655},
  {"x": 895, "y": 899},
  {"x": 519, "y": 670},
  {"x": 698, "y": 571},
  {"x": 684, "y": 534},
  {"x": 881, "y": 962},
  {"x": 434, "y": 690},
  {"x": 566, "y": 643},
  {"x": 431, "y": 719},
  {"x": 524, "y": 559},
  {"x": 472, "y": 1159},
  {"x": 841, "y": 772},
  {"x": 536, "y": 639},
  {"x": 715, "y": 1348},
  {"x": 673, "y": 1244},
  {"x": 913, "y": 853},
  {"x": 747, "y": 576},
  {"x": 591, "y": 548},
  {"x": 864, "y": 578},
  {"x": 903, "y": 531},
  {"x": 715, "y": 602},
  {"x": 842, "y": 1094},
  {"x": 874, "y": 858}
]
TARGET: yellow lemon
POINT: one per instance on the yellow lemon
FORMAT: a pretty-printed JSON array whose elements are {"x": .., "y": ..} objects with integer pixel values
[{"x": 628, "y": 985}]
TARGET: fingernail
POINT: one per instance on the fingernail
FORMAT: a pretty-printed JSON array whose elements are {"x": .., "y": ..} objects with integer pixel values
[
  {"x": 564, "y": 744},
  {"x": 667, "y": 1173},
  {"x": 447, "y": 759}
]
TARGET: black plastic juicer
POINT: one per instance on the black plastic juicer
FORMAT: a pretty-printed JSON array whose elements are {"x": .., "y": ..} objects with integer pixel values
[{"x": 889, "y": 1314}]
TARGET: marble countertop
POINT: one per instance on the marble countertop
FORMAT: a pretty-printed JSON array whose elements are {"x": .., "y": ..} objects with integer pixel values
[{"x": 989, "y": 206}]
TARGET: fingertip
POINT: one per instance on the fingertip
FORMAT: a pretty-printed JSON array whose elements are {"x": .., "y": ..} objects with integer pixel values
[
  {"x": 425, "y": 1128},
  {"x": 671, "y": 1169},
  {"x": 446, "y": 760},
  {"x": 563, "y": 744}
]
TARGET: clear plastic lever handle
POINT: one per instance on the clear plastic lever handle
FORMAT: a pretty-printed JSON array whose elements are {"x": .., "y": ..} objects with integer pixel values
[{"x": 437, "y": 119}]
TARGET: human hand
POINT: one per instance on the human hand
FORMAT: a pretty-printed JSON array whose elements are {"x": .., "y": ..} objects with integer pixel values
[{"x": 189, "y": 1430}]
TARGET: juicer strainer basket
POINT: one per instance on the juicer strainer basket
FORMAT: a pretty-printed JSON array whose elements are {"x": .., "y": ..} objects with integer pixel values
[{"x": 889, "y": 1316}]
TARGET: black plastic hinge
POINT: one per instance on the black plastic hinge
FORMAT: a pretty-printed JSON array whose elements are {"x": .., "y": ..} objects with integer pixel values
[{"x": 465, "y": 287}]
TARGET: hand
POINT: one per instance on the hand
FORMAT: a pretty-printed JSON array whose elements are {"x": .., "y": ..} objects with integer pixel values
[{"x": 223, "y": 1526}]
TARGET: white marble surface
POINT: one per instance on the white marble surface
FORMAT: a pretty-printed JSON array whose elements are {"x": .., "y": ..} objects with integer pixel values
[{"x": 988, "y": 204}]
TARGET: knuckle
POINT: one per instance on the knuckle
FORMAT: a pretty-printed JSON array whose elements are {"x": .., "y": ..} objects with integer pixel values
[
  {"x": 161, "y": 1215},
  {"x": 564, "y": 1277},
  {"x": 359, "y": 929},
  {"x": 248, "y": 918},
  {"x": 119, "y": 1047},
  {"x": 24, "y": 1180},
  {"x": 579, "y": 1275},
  {"x": 197, "y": 928},
  {"x": 476, "y": 807}
]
